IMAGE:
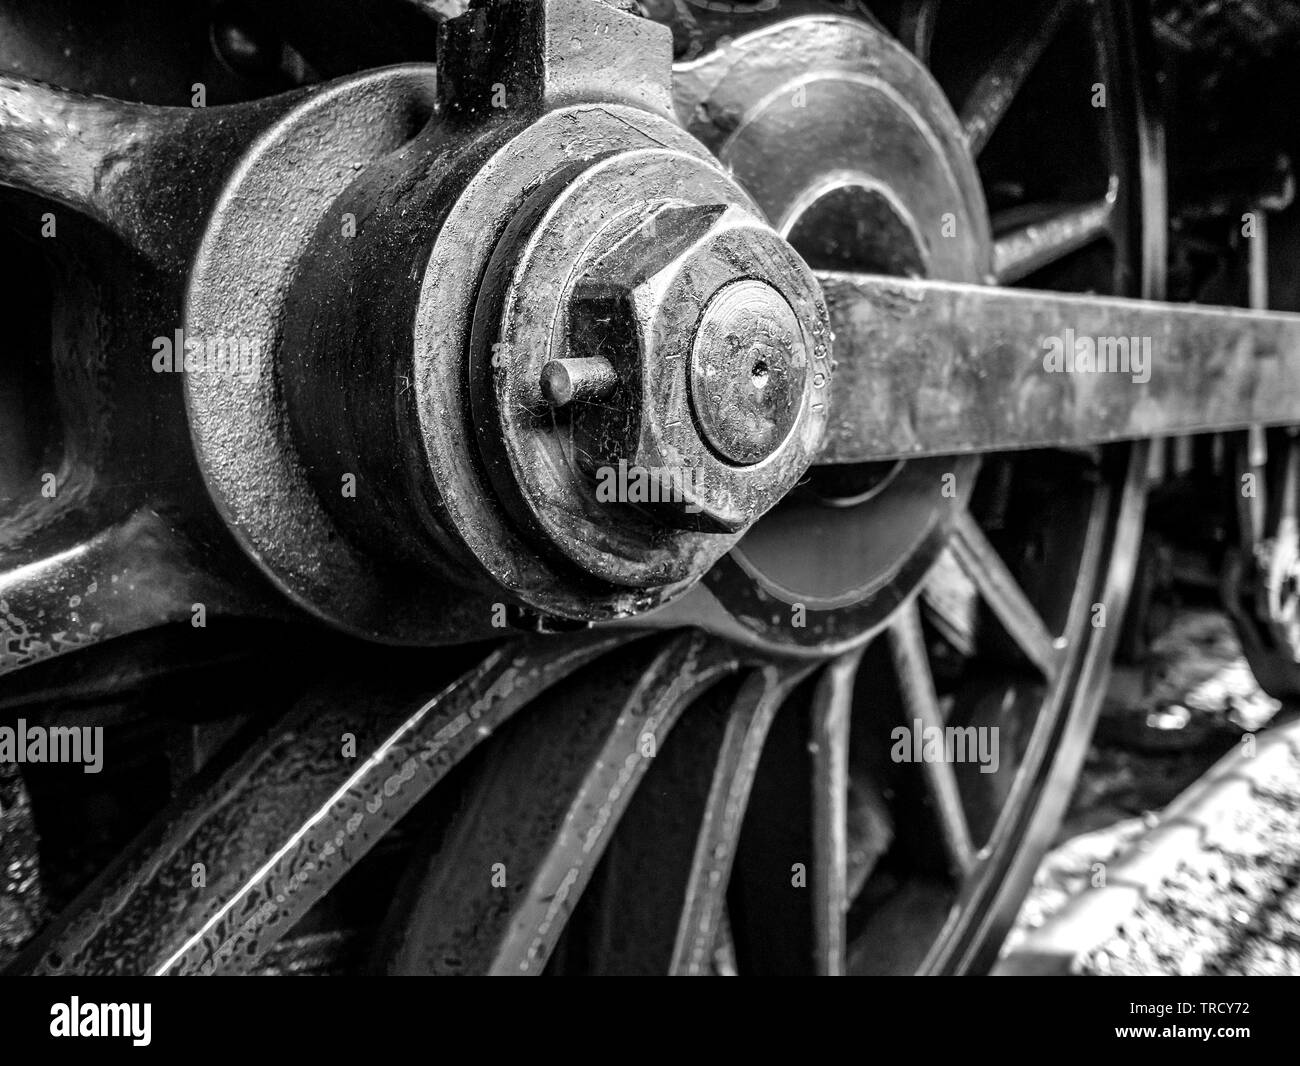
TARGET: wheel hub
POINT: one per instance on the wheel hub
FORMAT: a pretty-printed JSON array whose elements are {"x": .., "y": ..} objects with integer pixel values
[
  {"x": 561, "y": 358},
  {"x": 564, "y": 362}
]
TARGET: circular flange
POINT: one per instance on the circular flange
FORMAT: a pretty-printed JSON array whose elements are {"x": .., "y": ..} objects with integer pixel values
[
  {"x": 273, "y": 202},
  {"x": 600, "y": 162},
  {"x": 852, "y": 151}
]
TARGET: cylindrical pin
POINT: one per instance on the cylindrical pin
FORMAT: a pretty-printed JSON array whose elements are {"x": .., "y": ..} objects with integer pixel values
[{"x": 587, "y": 379}]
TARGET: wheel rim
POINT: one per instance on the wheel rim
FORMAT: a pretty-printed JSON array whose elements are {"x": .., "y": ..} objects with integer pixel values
[{"x": 699, "y": 694}]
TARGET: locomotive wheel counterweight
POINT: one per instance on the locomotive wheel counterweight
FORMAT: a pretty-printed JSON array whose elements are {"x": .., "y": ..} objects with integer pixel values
[{"x": 701, "y": 373}]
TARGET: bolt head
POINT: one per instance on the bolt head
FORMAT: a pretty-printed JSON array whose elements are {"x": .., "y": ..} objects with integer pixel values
[
  {"x": 697, "y": 308},
  {"x": 748, "y": 369}
]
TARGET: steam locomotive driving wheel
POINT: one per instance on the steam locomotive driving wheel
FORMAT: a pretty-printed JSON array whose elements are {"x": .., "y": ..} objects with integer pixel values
[{"x": 621, "y": 331}]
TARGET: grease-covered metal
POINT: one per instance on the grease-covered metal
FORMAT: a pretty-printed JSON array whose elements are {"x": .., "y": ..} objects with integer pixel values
[
  {"x": 545, "y": 809},
  {"x": 112, "y": 532},
  {"x": 22, "y": 902},
  {"x": 226, "y": 871}
]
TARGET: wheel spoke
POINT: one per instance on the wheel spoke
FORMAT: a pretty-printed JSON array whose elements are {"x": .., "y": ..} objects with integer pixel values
[
  {"x": 278, "y": 829},
  {"x": 916, "y": 25},
  {"x": 988, "y": 102},
  {"x": 1037, "y": 244},
  {"x": 907, "y": 645},
  {"x": 62, "y": 146},
  {"x": 1251, "y": 457},
  {"x": 831, "y": 710},
  {"x": 569, "y": 770},
  {"x": 1254, "y": 509},
  {"x": 703, "y": 912},
  {"x": 83, "y": 591},
  {"x": 1004, "y": 596},
  {"x": 952, "y": 603},
  {"x": 106, "y": 159},
  {"x": 1287, "y": 514}
]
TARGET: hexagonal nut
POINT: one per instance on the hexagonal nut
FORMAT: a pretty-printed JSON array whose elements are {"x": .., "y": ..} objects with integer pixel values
[{"x": 718, "y": 335}]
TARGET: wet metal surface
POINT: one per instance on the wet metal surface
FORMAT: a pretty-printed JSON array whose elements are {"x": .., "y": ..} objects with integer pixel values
[
  {"x": 225, "y": 872},
  {"x": 542, "y": 814}
]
